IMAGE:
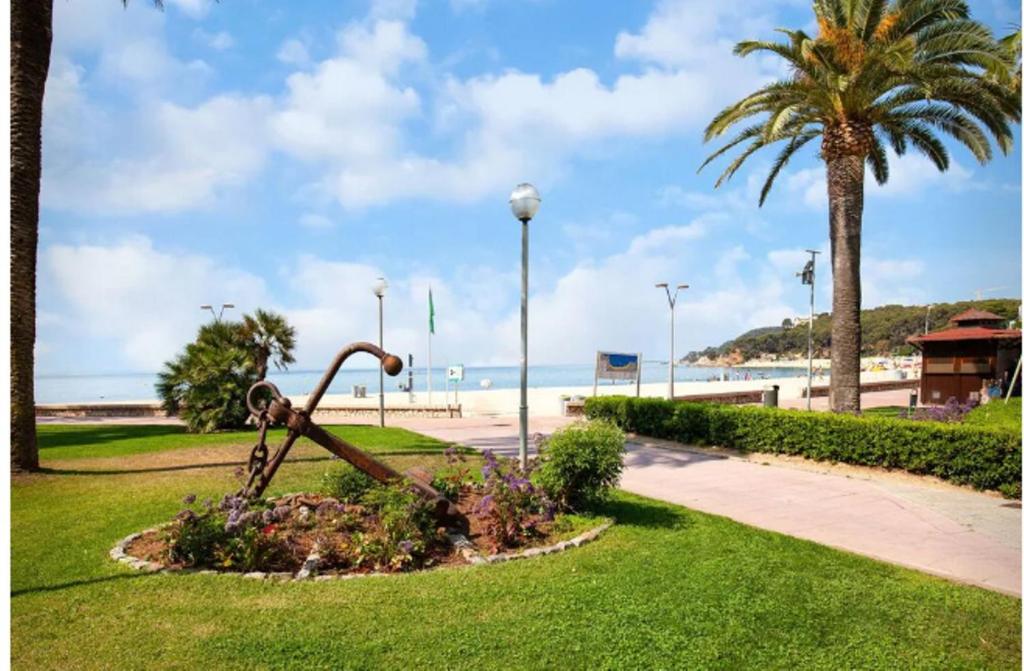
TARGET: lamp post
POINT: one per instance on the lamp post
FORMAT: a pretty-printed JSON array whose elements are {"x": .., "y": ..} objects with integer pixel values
[
  {"x": 807, "y": 277},
  {"x": 672, "y": 335},
  {"x": 379, "y": 287},
  {"x": 524, "y": 201},
  {"x": 217, "y": 315}
]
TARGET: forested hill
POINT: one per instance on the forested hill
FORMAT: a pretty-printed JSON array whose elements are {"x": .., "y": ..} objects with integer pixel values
[{"x": 884, "y": 331}]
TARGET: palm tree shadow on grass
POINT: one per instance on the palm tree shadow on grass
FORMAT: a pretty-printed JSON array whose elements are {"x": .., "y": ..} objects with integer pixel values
[
  {"x": 105, "y": 433},
  {"x": 162, "y": 469},
  {"x": 216, "y": 464},
  {"x": 76, "y": 583}
]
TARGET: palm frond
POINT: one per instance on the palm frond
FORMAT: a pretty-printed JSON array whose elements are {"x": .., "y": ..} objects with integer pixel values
[
  {"x": 878, "y": 161},
  {"x": 782, "y": 159}
]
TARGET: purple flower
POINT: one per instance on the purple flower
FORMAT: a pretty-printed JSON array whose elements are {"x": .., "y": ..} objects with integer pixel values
[
  {"x": 490, "y": 464},
  {"x": 230, "y": 503},
  {"x": 405, "y": 546},
  {"x": 269, "y": 517},
  {"x": 189, "y": 499},
  {"x": 485, "y": 505}
]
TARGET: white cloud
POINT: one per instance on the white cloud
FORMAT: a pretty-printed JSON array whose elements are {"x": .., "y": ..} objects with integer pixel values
[
  {"x": 354, "y": 112},
  {"x": 293, "y": 52},
  {"x": 348, "y": 109},
  {"x": 190, "y": 157},
  {"x": 383, "y": 48},
  {"x": 144, "y": 299},
  {"x": 892, "y": 281},
  {"x": 682, "y": 33},
  {"x": 909, "y": 175},
  {"x": 728, "y": 265},
  {"x": 669, "y": 237},
  {"x": 219, "y": 41},
  {"x": 485, "y": 117}
]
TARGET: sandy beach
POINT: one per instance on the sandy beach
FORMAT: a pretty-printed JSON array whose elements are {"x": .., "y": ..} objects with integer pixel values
[{"x": 547, "y": 401}]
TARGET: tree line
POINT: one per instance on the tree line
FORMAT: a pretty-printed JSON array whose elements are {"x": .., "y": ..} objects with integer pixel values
[{"x": 884, "y": 331}]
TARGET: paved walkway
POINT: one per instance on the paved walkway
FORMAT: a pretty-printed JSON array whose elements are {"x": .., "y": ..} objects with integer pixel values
[{"x": 933, "y": 527}]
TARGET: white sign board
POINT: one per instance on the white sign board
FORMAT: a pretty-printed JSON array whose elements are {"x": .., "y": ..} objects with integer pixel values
[
  {"x": 456, "y": 373},
  {"x": 618, "y": 366}
]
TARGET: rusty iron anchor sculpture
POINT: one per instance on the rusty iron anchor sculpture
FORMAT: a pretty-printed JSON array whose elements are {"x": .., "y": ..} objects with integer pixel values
[{"x": 279, "y": 411}]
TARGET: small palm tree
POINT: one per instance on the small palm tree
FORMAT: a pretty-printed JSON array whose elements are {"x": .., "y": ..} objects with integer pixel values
[
  {"x": 206, "y": 385},
  {"x": 879, "y": 72},
  {"x": 268, "y": 337}
]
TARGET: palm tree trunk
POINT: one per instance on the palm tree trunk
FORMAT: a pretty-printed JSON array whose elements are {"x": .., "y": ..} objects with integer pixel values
[
  {"x": 31, "y": 35},
  {"x": 845, "y": 207}
]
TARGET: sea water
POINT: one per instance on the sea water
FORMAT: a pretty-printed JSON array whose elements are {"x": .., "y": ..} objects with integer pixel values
[{"x": 140, "y": 386}]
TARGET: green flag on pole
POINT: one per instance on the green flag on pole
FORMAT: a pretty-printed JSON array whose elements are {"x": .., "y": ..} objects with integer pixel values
[{"x": 430, "y": 298}]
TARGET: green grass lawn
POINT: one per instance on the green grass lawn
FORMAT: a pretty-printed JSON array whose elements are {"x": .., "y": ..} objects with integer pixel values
[
  {"x": 891, "y": 411},
  {"x": 665, "y": 587},
  {"x": 996, "y": 414}
]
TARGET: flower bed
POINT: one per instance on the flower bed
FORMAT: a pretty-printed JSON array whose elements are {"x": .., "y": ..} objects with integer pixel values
[{"x": 364, "y": 529}]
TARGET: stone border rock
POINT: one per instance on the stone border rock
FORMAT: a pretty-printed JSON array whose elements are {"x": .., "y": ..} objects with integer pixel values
[{"x": 308, "y": 571}]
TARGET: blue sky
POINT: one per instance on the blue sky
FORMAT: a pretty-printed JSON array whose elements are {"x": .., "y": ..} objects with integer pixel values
[{"x": 284, "y": 155}]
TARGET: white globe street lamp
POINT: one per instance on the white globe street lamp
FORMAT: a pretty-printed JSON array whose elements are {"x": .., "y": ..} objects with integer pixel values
[
  {"x": 524, "y": 202},
  {"x": 379, "y": 287}
]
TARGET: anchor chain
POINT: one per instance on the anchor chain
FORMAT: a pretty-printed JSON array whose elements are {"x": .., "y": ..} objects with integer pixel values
[{"x": 260, "y": 455}]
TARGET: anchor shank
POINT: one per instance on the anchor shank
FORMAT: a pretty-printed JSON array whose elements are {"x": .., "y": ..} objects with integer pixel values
[{"x": 378, "y": 471}]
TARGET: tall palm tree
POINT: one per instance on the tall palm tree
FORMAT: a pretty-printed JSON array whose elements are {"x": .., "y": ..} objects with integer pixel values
[
  {"x": 31, "y": 38},
  {"x": 31, "y": 35},
  {"x": 878, "y": 72},
  {"x": 268, "y": 337}
]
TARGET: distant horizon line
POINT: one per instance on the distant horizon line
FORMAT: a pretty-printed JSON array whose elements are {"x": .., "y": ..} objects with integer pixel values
[{"x": 314, "y": 371}]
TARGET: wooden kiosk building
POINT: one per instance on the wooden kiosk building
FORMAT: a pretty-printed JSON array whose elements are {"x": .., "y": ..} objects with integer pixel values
[{"x": 956, "y": 362}]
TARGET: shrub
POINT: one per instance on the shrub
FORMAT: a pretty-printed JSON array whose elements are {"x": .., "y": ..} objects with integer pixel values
[
  {"x": 511, "y": 505},
  {"x": 406, "y": 528},
  {"x": 581, "y": 463},
  {"x": 193, "y": 539},
  {"x": 232, "y": 535},
  {"x": 346, "y": 483},
  {"x": 456, "y": 474},
  {"x": 981, "y": 457}
]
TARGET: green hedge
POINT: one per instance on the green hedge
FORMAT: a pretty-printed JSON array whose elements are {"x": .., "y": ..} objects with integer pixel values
[{"x": 981, "y": 457}]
